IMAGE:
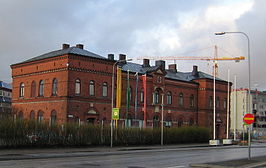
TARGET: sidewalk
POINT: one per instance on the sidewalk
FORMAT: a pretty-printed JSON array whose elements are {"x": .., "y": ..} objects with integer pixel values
[
  {"x": 17, "y": 151},
  {"x": 255, "y": 162},
  {"x": 39, "y": 153}
]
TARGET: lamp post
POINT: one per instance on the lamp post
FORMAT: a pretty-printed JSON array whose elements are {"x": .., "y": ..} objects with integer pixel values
[
  {"x": 248, "y": 102},
  {"x": 113, "y": 83}
]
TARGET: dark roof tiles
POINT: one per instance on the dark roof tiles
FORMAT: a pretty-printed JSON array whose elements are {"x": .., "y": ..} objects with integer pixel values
[
  {"x": 182, "y": 76},
  {"x": 71, "y": 50}
]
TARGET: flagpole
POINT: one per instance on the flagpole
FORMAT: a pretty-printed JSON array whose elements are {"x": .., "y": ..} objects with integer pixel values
[
  {"x": 145, "y": 100},
  {"x": 162, "y": 120},
  {"x": 136, "y": 97},
  {"x": 128, "y": 98}
]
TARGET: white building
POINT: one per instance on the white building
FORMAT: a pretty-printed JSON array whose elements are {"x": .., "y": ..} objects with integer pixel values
[
  {"x": 239, "y": 107},
  {"x": 5, "y": 99}
]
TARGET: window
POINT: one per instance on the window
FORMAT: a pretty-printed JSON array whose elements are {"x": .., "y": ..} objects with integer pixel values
[
  {"x": 141, "y": 96},
  {"x": 1, "y": 93},
  {"x": 91, "y": 88},
  {"x": 191, "y": 122},
  {"x": 41, "y": 88},
  {"x": 33, "y": 89},
  {"x": 225, "y": 103},
  {"x": 180, "y": 122},
  {"x": 77, "y": 87},
  {"x": 40, "y": 116},
  {"x": 156, "y": 121},
  {"x": 32, "y": 115},
  {"x": 169, "y": 98},
  {"x": 20, "y": 115},
  {"x": 191, "y": 100},
  {"x": 53, "y": 117},
  {"x": 211, "y": 101},
  {"x": 159, "y": 79},
  {"x": 217, "y": 102},
  {"x": 21, "y": 90},
  {"x": 156, "y": 97},
  {"x": 181, "y": 99},
  {"x": 130, "y": 94},
  {"x": 54, "y": 87},
  {"x": 105, "y": 89}
]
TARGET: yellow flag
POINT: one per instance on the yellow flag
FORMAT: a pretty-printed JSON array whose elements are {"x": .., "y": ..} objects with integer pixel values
[{"x": 118, "y": 88}]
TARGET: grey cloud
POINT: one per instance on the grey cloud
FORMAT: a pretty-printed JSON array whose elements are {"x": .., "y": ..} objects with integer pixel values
[
  {"x": 30, "y": 28},
  {"x": 253, "y": 23}
]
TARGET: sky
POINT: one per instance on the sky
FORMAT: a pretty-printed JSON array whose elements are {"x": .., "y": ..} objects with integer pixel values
[{"x": 139, "y": 28}]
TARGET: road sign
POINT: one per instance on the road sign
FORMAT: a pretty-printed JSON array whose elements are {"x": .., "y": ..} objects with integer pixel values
[
  {"x": 249, "y": 118},
  {"x": 115, "y": 114}
]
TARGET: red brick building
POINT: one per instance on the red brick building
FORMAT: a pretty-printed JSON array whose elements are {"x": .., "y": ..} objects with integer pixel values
[{"x": 75, "y": 85}]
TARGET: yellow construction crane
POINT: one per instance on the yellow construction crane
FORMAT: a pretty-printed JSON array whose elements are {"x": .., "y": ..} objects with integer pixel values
[{"x": 215, "y": 59}]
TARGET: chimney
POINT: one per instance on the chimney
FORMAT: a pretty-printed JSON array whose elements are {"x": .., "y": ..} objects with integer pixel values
[
  {"x": 79, "y": 46},
  {"x": 111, "y": 56},
  {"x": 146, "y": 63},
  {"x": 172, "y": 68},
  {"x": 65, "y": 46},
  {"x": 122, "y": 57},
  {"x": 160, "y": 63},
  {"x": 195, "y": 71}
]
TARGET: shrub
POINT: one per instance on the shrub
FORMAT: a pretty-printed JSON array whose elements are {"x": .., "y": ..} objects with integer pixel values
[{"x": 21, "y": 133}]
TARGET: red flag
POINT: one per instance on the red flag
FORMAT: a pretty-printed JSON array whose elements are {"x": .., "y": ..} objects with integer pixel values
[{"x": 144, "y": 81}]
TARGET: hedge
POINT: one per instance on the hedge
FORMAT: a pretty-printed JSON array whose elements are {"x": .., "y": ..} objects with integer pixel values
[{"x": 23, "y": 133}]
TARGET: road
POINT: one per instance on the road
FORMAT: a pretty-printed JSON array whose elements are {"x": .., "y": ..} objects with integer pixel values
[{"x": 149, "y": 158}]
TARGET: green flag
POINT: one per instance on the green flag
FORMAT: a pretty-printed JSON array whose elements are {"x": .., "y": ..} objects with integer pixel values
[{"x": 128, "y": 98}]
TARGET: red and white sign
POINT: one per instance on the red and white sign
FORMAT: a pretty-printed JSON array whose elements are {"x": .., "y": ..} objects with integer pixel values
[{"x": 249, "y": 118}]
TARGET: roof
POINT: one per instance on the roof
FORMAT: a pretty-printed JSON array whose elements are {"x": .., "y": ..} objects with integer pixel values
[
  {"x": 5, "y": 85},
  {"x": 133, "y": 67},
  {"x": 187, "y": 76},
  {"x": 182, "y": 76},
  {"x": 70, "y": 50}
]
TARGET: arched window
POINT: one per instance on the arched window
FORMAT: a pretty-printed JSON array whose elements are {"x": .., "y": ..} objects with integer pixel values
[
  {"x": 168, "y": 121},
  {"x": 20, "y": 115},
  {"x": 181, "y": 99},
  {"x": 33, "y": 89},
  {"x": 105, "y": 89},
  {"x": 191, "y": 100},
  {"x": 40, "y": 116},
  {"x": 77, "y": 87},
  {"x": 211, "y": 101},
  {"x": 218, "y": 102},
  {"x": 32, "y": 115},
  {"x": 156, "y": 121},
  {"x": 156, "y": 97},
  {"x": 54, "y": 87},
  {"x": 191, "y": 122},
  {"x": 169, "y": 98},
  {"x": 130, "y": 94},
  {"x": 91, "y": 88},
  {"x": 21, "y": 90},
  {"x": 41, "y": 88},
  {"x": 142, "y": 96},
  {"x": 180, "y": 122},
  {"x": 53, "y": 117},
  {"x": 225, "y": 103}
]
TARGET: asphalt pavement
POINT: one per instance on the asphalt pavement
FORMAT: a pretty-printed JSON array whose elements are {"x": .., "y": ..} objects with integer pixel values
[{"x": 34, "y": 153}]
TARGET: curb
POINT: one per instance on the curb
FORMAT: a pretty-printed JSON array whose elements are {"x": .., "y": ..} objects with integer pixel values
[{"x": 213, "y": 165}]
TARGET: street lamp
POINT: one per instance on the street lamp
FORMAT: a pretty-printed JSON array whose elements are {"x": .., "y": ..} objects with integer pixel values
[
  {"x": 113, "y": 77},
  {"x": 248, "y": 102}
]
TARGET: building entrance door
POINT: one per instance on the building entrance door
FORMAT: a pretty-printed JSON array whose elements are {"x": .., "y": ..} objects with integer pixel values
[{"x": 90, "y": 120}]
